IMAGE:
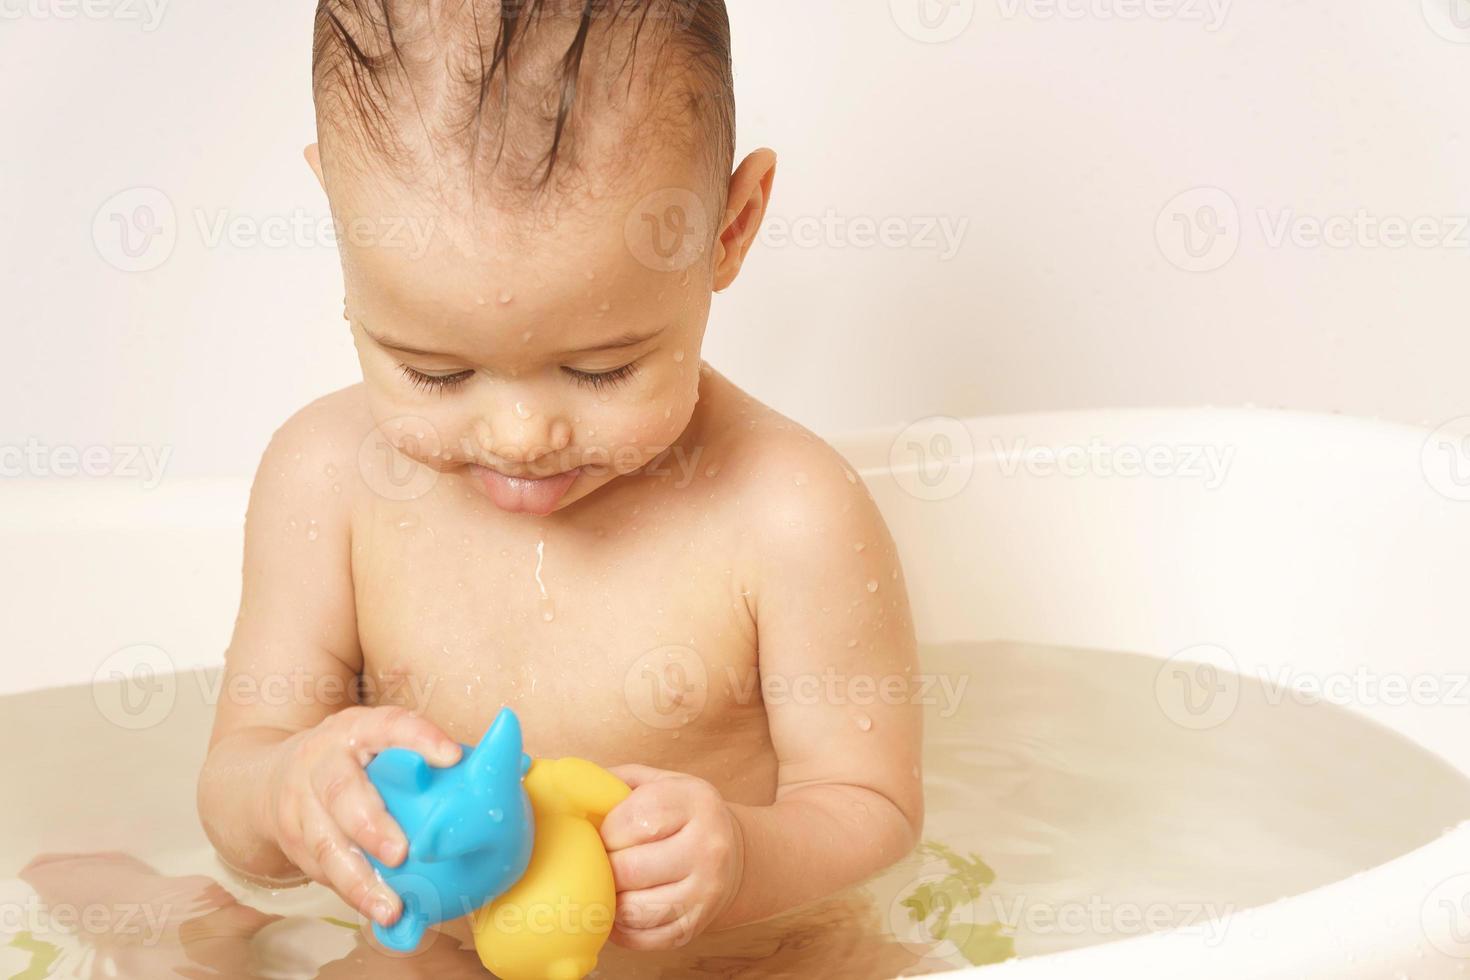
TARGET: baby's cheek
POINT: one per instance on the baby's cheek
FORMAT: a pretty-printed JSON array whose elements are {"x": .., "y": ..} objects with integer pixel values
[{"x": 422, "y": 434}]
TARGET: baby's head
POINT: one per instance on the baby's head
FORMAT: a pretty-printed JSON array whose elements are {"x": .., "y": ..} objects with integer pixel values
[{"x": 535, "y": 203}]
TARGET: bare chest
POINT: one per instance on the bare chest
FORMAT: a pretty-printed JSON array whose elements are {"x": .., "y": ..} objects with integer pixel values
[{"x": 617, "y": 640}]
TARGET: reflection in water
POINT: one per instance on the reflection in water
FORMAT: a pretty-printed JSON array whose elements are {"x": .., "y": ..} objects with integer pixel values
[
  {"x": 1098, "y": 814},
  {"x": 112, "y": 915}
]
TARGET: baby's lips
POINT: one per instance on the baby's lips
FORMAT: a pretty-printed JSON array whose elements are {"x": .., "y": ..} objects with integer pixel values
[{"x": 538, "y": 496}]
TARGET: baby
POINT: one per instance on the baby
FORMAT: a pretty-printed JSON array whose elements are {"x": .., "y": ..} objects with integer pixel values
[{"x": 540, "y": 496}]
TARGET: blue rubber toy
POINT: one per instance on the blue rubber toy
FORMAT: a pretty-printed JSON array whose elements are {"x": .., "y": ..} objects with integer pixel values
[{"x": 469, "y": 829}]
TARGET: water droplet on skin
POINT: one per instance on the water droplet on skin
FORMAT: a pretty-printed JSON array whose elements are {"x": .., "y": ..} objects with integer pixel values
[
  {"x": 801, "y": 479},
  {"x": 851, "y": 476},
  {"x": 872, "y": 585},
  {"x": 330, "y": 470},
  {"x": 713, "y": 470},
  {"x": 590, "y": 275},
  {"x": 291, "y": 524},
  {"x": 858, "y": 546},
  {"x": 863, "y": 722},
  {"x": 852, "y": 643},
  {"x": 312, "y": 532},
  {"x": 604, "y": 307},
  {"x": 479, "y": 301},
  {"x": 398, "y": 426},
  {"x": 522, "y": 412},
  {"x": 526, "y": 337},
  {"x": 505, "y": 296},
  {"x": 678, "y": 357},
  {"x": 548, "y": 609},
  {"x": 668, "y": 412},
  {"x": 407, "y": 524},
  {"x": 336, "y": 488}
]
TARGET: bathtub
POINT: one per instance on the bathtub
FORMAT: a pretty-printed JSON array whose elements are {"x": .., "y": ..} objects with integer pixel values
[{"x": 1324, "y": 544}]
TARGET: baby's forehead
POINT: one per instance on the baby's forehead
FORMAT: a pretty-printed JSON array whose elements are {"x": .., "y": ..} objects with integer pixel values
[{"x": 408, "y": 250}]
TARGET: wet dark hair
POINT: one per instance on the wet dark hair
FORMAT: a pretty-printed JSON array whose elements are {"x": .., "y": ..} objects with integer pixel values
[{"x": 372, "y": 60}]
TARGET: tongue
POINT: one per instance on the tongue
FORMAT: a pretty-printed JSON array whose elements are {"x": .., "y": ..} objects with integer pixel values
[{"x": 527, "y": 496}]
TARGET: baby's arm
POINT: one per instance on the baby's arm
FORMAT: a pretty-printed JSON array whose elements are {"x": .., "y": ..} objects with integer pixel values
[
  {"x": 282, "y": 794},
  {"x": 833, "y": 623},
  {"x": 837, "y": 661}
]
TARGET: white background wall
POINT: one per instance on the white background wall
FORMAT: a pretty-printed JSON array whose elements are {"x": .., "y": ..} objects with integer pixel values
[{"x": 1057, "y": 141}]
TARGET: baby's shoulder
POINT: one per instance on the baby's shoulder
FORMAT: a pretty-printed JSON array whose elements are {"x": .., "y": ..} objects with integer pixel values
[
  {"x": 314, "y": 453},
  {"x": 784, "y": 475}
]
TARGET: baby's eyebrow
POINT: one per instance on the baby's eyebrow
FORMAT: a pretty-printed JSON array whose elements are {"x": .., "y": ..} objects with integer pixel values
[
  {"x": 392, "y": 344},
  {"x": 621, "y": 342},
  {"x": 630, "y": 339}
]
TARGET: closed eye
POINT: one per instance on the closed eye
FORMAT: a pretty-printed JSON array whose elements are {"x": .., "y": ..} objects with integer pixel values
[
  {"x": 434, "y": 382},
  {"x": 601, "y": 380}
]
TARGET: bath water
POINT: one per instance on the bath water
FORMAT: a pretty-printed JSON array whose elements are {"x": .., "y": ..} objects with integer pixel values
[{"x": 1068, "y": 804}]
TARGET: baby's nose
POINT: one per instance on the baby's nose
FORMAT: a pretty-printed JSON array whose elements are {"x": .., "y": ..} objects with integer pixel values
[{"x": 522, "y": 435}]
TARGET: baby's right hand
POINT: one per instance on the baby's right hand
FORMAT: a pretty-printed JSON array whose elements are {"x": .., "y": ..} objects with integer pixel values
[{"x": 320, "y": 807}]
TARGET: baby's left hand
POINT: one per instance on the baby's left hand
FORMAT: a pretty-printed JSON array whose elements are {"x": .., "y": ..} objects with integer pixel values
[{"x": 677, "y": 856}]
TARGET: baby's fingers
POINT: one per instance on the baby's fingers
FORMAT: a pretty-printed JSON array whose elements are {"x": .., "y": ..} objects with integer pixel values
[
  {"x": 355, "y": 807},
  {"x": 342, "y": 868},
  {"x": 647, "y": 865},
  {"x": 376, "y": 729},
  {"x": 647, "y": 814}
]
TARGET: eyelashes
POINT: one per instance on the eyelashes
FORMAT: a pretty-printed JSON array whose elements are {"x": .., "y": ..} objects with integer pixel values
[
  {"x": 595, "y": 380},
  {"x": 604, "y": 380},
  {"x": 434, "y": 382}
]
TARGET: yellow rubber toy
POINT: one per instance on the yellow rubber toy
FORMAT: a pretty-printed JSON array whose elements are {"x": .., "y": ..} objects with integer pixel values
[{"x": 552, "y": 923}]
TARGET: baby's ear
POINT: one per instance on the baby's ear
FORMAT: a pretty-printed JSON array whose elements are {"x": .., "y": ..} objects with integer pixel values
[
  {"x": 313, "y": 156},
  {"x": 748, "y": 201}
]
